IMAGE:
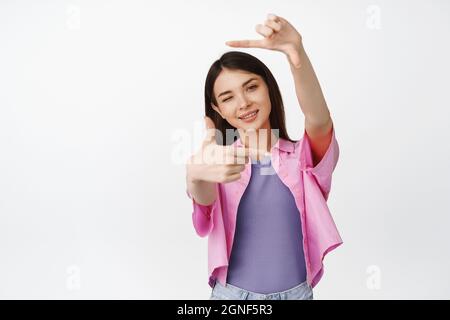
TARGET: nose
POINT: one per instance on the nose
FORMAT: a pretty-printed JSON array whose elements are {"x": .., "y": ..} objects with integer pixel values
[{"x": 243, "y": 102}]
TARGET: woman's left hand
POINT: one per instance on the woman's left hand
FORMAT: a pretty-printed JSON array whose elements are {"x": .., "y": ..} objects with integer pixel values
[{"x": 279, "y": 35}]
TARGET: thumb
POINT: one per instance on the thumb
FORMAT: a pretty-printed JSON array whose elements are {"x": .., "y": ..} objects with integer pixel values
[
  {"x": 246, "y": 44},
  {"x": 210, "y": 130}
]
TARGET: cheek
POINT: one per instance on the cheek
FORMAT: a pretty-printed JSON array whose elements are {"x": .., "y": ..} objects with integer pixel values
[
  {"x": 229, "y": 111},
  {"x": 230, "y": 114},
  {"x": 266, "y": 111}
]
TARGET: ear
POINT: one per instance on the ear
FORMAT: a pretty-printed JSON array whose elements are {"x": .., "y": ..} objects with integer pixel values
[{"x": 217, "y": 110}]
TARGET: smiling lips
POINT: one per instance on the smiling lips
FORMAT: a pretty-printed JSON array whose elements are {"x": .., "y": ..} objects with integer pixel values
[{"x": 248, "y": 115}]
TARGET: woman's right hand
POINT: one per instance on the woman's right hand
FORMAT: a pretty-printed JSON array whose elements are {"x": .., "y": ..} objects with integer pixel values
[{"x": 218, "y": 163}]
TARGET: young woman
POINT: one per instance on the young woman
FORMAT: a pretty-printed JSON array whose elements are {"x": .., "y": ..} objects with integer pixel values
[{"x": 259, "y": 196}]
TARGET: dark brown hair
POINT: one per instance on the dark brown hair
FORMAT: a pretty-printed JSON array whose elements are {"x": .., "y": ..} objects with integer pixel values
[{"x": 236, "y": 60}]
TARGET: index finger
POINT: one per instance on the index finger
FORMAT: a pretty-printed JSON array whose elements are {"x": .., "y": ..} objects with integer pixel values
[
  {"x": 257, "y": 153},
  {"x": 241, "y": 153}
]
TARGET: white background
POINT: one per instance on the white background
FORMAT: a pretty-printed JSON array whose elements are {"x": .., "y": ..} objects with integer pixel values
[{"x": 101, "y": 100}]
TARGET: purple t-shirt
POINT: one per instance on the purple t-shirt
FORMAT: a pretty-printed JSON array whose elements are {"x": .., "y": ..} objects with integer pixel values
[{"x": 267, "y": 254}]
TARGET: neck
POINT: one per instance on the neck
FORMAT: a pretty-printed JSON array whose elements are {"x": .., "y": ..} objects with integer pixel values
[{"x": 262, "y": 139}]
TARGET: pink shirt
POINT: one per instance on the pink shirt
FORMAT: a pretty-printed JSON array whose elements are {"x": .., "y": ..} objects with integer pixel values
[{"x": 310, "y": 186}]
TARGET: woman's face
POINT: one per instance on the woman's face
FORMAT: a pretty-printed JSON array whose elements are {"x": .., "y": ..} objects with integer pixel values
[{"x": 238, "y": 92}]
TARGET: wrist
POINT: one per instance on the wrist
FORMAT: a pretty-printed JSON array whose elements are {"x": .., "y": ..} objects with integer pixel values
[
  {"x": 295, "y": 53},
  {"x": 295, "y": 44}
]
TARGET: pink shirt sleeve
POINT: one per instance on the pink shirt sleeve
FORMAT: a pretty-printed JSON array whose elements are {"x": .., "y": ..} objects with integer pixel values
[
  {"x": 323, "y": 171},
  {"x": 202, "y": 216}
]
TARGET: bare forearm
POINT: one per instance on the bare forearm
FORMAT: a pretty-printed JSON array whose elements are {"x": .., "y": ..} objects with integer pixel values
[
  {"x": 309, "y": 92},
  {"x": 203, "y": 192}
]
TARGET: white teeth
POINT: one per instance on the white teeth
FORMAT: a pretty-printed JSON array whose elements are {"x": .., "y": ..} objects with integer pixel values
[{"x": 249, "y": 116}]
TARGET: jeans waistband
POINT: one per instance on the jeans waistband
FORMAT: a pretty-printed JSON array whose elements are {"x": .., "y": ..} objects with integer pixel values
[{"x": 241, "y": 293}]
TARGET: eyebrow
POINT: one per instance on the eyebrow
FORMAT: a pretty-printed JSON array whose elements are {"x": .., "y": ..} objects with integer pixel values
[{"x": 243, "y": 85}]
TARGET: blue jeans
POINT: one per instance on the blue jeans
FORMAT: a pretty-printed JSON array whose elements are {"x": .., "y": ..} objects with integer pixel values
[{"x": 229, "y": 292}]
